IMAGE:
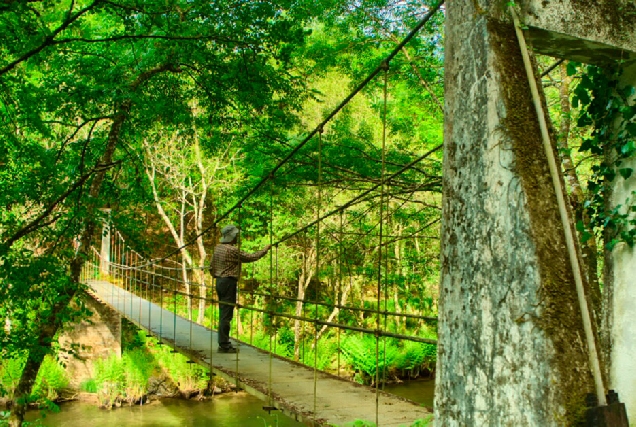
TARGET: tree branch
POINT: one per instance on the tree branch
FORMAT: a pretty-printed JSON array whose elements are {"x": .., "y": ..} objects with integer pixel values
[
  {"x": 39, "y": 222},
  {"x": 49, "y": 40}
]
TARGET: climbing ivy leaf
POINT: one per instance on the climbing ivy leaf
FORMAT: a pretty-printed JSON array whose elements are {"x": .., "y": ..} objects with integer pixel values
[
  {"x": 572, "y": 68},
  {"x": 628, "y": 148},
  {"x": 585, "y": 236},
  {"x": 580, "y": 226},
  {"x": 631, "y": 129},
  {"x": 587, "y": 145},
  {"x": 626, "y": 172}
]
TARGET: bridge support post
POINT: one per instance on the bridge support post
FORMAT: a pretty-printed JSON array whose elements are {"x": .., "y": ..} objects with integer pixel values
[
  {"x": 104, "y": 264},
  {"x": 511, "y": 342},
  {"x": 94, "y": 338},
  {"x": 620, "y": 287}
]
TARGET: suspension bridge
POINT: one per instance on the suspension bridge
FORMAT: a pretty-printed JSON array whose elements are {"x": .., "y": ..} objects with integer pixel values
[
  {"x": 172, "y": 297},
  {"x": 304, "y": 393},
  {"x": 159, "y": 295},
  {"x": 495, "y": 193}
]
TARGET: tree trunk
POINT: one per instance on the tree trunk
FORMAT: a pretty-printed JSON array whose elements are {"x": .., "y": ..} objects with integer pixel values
[
  {"x": 50, "y": 324},
  {"x": 177, "y": 236},
  {"x": 336, "y": 310},
  {"x": 199, "y": 214},
  {"x": 399, "y": 272},
  {"x": 510, "y": 349}
]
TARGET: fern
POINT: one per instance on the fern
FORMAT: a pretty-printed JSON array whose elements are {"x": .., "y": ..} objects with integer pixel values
[{"x": 50, "y": 380}]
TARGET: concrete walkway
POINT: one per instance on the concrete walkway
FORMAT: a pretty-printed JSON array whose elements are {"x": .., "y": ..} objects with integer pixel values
[{"x": 283, "y": 384}]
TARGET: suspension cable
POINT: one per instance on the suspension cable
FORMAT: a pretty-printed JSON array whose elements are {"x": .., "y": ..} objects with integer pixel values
[
  {"x": 271, "y": 284},
  {"x": 339, "y": 290},
  {"x": 361, "y": 195},
  {"x": 238, "y": 300}
]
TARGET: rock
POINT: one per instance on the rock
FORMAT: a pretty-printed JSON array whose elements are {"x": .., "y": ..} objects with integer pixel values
[{"x": 162, "y": 386}]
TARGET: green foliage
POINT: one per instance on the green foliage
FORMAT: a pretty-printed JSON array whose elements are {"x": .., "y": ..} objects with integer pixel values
[
  {"x": 361, "y": 423},
  {"x": 50, "y": 380},
  {"x": 603, "y": 104},
  {"x": 189, "y": 376},
  {"x": 138, "y": 368},
  {"x": 10, "y": 371},
  {"x": 89, "y": 386},
  {"x": 132, "y": 337},
  {"x": 110, "y": 379},
  {"x": 425, "y": 422},
  {"x": 361, "y": 352},
  {"x": 416, "y": 355},
  {"x": 322, "y": 356}
]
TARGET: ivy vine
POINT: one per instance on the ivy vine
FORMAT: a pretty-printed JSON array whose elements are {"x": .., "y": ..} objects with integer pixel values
[{"x": 604, "y": 104}]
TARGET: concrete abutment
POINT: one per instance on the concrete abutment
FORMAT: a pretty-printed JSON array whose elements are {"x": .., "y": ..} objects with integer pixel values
[{"x": 94, "y": 338}]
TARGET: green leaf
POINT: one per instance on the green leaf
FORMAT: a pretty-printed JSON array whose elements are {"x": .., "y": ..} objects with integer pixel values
[
  {"x": 610, "y": 246},
  {"x": 580, "y": 226},
  {"x": 572, "y": 68},
  {"x": 626, "y": 172},
  {"x": 586, "y": 83},
  {"x": 628, "y": 148},
  {"x": 631, "y": 128},
  {"x": 587, "y": 145}
]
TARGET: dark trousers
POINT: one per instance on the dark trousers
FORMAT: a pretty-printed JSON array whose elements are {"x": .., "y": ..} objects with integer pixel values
[{"x": 226, "y": 291}]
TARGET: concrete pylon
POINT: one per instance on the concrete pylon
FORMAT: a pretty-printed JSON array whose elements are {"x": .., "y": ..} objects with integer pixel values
[
  {"x": 511, "y": 342},
  {"x": 621, "y": 285},
  {"x": 104, "y": 263},
  {"x": 97, "y": 337}
]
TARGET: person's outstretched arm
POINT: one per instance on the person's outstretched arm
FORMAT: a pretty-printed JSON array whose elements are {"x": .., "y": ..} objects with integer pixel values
[{"x": 254, "y": 256}]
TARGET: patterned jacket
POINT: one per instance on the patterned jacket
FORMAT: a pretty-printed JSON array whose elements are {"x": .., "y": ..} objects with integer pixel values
[{"x": 227, "y": 260}]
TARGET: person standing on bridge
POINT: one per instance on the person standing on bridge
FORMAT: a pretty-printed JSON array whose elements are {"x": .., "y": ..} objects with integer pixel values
[{"x": 226, "y": 269}]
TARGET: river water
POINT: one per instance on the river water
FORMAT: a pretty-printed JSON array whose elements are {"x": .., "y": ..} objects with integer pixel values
[
  {"x": 419, "y": 390},
  {"x": 225, "y": 410}
]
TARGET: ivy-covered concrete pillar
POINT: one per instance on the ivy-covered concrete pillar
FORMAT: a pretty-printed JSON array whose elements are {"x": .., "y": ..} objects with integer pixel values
[
  {"x": 512, "y": 348},
  {"x": 621, "y": 280}
]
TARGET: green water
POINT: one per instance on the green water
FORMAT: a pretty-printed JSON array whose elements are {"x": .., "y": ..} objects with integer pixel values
[
  {"x": 226, "y": 410},
  {"x": 421, "y": 391}
]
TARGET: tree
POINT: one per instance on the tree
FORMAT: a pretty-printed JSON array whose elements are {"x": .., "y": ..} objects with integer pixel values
[
  {"x": 185, "y": 186},
  {"x": 83, "y": 84}
]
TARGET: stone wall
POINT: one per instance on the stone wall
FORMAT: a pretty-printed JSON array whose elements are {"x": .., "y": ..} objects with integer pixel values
[{"x": 94, "y": 338}]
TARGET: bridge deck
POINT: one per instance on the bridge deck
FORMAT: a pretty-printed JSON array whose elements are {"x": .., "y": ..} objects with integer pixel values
[{"x": 290, "y": 387}]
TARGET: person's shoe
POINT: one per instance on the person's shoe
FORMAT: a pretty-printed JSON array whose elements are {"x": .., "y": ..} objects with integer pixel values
[{"x": 228, "y": 350}]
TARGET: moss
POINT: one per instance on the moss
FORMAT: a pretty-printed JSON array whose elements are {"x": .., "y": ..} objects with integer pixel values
[{"x": 560, "y": 315}]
